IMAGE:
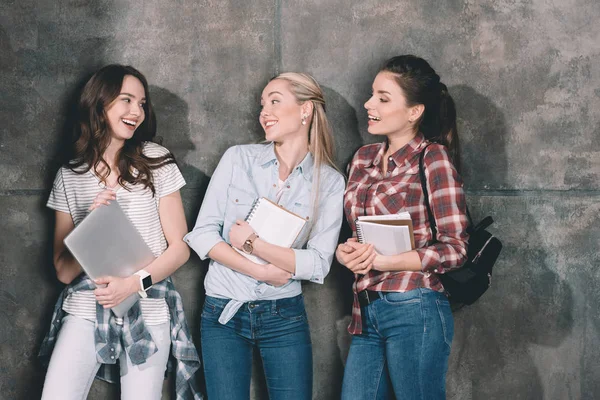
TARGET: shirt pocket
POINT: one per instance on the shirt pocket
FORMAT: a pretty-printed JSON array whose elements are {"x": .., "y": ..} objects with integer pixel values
[
  {"x": 402, "y": 191},
  {"x": 239, "y": 203},
  {"x": 303, "y": 208}
]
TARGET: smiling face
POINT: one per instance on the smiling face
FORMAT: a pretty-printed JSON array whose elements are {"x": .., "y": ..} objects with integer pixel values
[
  {"x": 387, "y": 110},
  {"x": 281, "y": 115},
  {"x": 126, "y": 112}
]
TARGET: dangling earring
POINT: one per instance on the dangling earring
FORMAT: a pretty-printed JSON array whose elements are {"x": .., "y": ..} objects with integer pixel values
[{"x": 303, "y": 119}]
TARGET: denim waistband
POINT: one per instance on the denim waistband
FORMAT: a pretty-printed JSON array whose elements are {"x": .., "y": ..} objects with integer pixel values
[{"x": 230, "y": 307}]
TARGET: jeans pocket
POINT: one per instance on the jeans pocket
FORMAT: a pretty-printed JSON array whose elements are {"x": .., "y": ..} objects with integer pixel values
[
  {"x": 401, "y": 298},
  {"x": 292, "y": 312},
  {"x": 211, "y": 308},
  {"x": 446, "y": 319}
]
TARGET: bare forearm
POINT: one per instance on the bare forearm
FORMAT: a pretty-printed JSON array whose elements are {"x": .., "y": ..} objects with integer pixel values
[
  {"x": 67, "y": 267},
  {"x": 227, "y": 256},
  {"x": 168, "y": 262},
  {"x": 409, "y": 261},
  {"x": 281, "y": 257}
]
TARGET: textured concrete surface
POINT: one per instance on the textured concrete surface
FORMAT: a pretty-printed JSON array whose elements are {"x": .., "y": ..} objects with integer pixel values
[{"x": 526, "y": 79}]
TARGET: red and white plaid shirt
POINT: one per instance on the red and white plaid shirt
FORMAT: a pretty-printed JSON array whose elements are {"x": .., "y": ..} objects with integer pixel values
[{"x": 370, "y": 192}]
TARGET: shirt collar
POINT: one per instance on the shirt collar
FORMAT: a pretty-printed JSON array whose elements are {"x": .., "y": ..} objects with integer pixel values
[
  {"x": 400, "y": 155},
  {"x": 306, "y": 166},
  {"x": 268, "y": 154}
]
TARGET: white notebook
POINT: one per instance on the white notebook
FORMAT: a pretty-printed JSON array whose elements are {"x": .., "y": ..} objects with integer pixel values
[
  {"x": 389, "y": 234},
  {"x": 273, "y": 224}
]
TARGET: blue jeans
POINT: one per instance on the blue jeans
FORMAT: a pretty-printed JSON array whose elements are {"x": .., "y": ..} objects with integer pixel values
[
  {"x": 277, "y": 328},
  {"x": 403, "y": 348}
]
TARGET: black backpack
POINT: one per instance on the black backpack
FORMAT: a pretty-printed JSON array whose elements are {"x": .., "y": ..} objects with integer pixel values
[{"x": 467, "y": 283}]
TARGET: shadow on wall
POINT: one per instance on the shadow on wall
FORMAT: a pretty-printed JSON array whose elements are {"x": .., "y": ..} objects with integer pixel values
[
  {"x": 482, "y": 133},
  {"x": 345, "y": 124},
  {"x": 173, "y": 132},
  {"x": 529, "y": 304}
]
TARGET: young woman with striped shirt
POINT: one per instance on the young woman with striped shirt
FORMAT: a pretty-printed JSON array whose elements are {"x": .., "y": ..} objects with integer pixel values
[
  {"x": 402, "y": 325},
  {"x": 114, "y": 159}
]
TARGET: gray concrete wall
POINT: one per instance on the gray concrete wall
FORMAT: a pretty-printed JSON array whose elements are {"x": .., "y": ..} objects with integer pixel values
[{"x": 526, "y": 79}]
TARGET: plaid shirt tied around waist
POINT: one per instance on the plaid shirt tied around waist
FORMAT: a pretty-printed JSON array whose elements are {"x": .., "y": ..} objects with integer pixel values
[
  {"x": 370, "y": 192},
  {"x": 133, "y": 336}
]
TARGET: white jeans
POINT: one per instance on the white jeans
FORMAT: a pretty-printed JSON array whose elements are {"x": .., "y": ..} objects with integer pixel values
[{"x": 73, "y": 364}]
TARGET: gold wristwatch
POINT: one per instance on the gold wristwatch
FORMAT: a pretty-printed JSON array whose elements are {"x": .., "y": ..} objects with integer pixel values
[{"x": 248, "y": 246}]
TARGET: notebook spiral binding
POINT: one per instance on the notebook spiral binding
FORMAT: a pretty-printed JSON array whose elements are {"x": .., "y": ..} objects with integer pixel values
[
  {"x": 252, "y": 210},
  {"x": 359, "y": 232}
]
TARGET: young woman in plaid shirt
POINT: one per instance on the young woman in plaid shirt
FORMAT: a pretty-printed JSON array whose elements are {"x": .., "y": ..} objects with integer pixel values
[{"x": 402, "y": 325}]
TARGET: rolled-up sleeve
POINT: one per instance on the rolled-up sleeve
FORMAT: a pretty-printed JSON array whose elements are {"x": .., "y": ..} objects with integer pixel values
[
  {"x": 447, "y": 200},
  {"x": 208, "y": 230},
  {"x": 58, "y": 197},
  {"x": 314, "y": 262}
]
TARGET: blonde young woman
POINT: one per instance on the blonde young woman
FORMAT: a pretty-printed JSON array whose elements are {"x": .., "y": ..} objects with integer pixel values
[{"x": 251, "y": 306}]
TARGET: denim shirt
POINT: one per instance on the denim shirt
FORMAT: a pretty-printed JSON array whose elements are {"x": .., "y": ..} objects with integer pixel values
[{"x": 244, "y": 174}]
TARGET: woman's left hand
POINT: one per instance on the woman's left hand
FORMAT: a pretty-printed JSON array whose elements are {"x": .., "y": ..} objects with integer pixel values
[
  {"x": 239, "y": 233},
  {"x": 116, "y": 289}
]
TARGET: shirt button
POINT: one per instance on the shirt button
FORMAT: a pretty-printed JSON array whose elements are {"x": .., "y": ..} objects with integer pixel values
[
  {"x": 274, "y": 185},
  {"x": 112, "y": 357},
  {"x": 251, "y": 305},
  {"x": 112, "y": 349},
  {"x": 57, "y": 321},
  {"x": 288, "y": 186},
  {"x": 236, "y": 200}
]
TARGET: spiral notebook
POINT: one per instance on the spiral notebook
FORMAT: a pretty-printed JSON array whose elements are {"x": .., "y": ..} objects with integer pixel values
[
  {"x": 273, "y": 224},
  {"x": 389, "y": 234}
]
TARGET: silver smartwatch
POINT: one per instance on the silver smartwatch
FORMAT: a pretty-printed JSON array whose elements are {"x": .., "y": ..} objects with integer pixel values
[{"x": 145, "y": 282}]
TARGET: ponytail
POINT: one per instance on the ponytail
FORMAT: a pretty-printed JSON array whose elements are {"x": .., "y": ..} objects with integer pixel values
[{"x": 448, "y": 132}]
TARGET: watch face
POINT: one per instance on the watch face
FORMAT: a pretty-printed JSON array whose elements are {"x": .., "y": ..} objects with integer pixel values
[
  {"x": 247, "y": 247},
  {"x": 147, "y": 282}
]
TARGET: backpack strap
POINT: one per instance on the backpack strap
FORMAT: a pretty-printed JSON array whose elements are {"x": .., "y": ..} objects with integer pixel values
[
  {"x": 432, "y": 223},
  {"x": 487, "y": 221}
]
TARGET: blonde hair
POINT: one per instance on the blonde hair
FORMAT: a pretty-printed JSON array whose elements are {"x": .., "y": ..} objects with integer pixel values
[{"x": 320, "y": 138}]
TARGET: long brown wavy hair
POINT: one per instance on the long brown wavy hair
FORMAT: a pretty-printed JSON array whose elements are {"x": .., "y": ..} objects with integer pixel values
[{"x": 92, "y": 132}]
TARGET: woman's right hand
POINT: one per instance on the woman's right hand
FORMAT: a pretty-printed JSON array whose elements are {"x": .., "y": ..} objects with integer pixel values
[
  {"x": 103, "y": 198},
  {"x": 357, "y": 257},
  {"x": 274, "y": 276}
]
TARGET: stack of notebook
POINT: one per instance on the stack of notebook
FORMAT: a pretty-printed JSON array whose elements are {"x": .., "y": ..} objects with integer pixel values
[{"x": 389, "y": 234}]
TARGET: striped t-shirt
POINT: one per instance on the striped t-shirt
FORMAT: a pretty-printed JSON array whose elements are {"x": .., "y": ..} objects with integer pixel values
[{"x": 74, "y": 193}]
